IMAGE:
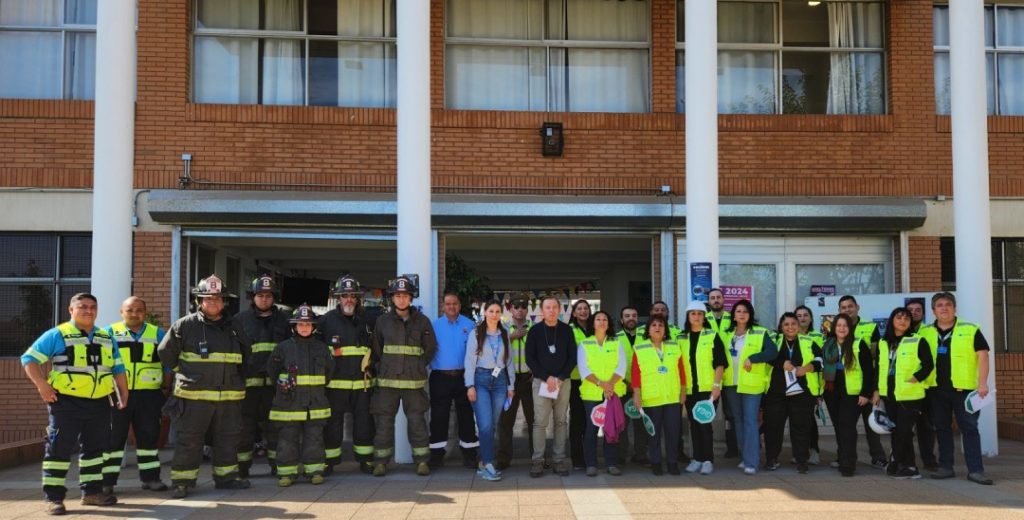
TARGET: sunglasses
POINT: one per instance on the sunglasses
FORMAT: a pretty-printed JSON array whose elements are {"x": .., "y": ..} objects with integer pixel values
[{"x": 518, "y": 306}]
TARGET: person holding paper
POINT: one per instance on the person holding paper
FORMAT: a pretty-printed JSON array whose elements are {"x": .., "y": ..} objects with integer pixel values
[
  {"x": 961, "y": 366},
  {"x": 849, "y": 384},
  {"x": 490, "y": 380},
  {"x": 658, "y": 378},
  {"x": 793, "y": 389},
  {"x": 904, "y": 362},
  {"x": 602, "y": 364},
  {"x": 551, "y": 356},
  {"x": 704, "y": 362}
]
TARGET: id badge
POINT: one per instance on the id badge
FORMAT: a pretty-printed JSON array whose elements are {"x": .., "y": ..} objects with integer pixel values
[
  {"x": 496, "y": 372},
  {"x": 943, "y": 350},
  {"x": 839, "y": 365},
  {"x": 732, "y": 352},
  {"x": 204, "y": 350},
  {"x": 662, "y": 369},
  {"x": 551, "y": 349}
]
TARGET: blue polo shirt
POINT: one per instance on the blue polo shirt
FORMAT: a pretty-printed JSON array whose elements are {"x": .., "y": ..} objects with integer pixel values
[
  {"x": 451, "y": 342},
  {"x": 51, "y": 343}
]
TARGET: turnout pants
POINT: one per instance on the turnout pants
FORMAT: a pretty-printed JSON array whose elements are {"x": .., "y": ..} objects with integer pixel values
[
  {"x": 384, "y": 406},
  {"x": 224, "y": 420},
  {"x": 143, "y": 416},
  {"x": 799, "y": 411},
  {"x": 446, "y": 387},
  {"x": 256, "y": 421},
  {"x": 356, "y": 402},
  {"x": 523, "y": 395},
  {"x": 300, "y": 441},
  {"x": 75, "y": 421}
]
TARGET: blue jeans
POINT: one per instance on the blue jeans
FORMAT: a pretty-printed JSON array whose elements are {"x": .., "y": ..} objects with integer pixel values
[
  {"x": 611, "y": 451},
  {"x": 747, "y": 434},
  {"x": 733, "y": 409},
  {"x": 490, "y": 397},
  {"x": 947, "y": 404}
]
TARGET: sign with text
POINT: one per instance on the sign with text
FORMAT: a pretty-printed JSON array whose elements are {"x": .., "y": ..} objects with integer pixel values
[
  {"x": 700, "y": 280},
  {"x": 735, "y": 293}
]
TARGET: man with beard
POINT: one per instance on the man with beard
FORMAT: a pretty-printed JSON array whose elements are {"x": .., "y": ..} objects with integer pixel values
[
  {"x": 629, "y": 319},
  {"x": 720, "y": 320}
]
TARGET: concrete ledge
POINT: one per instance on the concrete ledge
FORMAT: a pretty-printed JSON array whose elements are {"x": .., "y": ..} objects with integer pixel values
[{"x": 22, "y": 452}]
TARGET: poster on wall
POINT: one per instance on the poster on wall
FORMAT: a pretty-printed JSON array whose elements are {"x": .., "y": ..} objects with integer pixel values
[
  {"x": 700, "y": 280},
  {"x": 823, "y": 290},
  {"x": 734, "y": 293}
]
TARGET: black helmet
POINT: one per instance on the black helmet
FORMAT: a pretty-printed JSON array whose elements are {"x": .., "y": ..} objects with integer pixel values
[
  {"x": 303, "y": 314},
  {"x": 347, "y": 285},
  {"x": 406, "y": 283},
  {"x": 264, "y": 283},
  {"x": 211, "y": 286}
]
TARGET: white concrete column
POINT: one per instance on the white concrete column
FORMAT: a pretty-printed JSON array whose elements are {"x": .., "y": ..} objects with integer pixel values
[
  {"x": 701, "y": 138},
  {"x": 971, "y": 222},
  {"x": 668, "y": 271},
  {"x": 414, "y": 235},
  {"x": 114, "y": 156}
]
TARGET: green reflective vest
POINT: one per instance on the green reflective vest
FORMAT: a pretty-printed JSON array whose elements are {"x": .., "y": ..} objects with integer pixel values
[
  {"x": 76, "y": 372},
  {"x": 813, "y": 379},
  {"x": 518, "y": 346},
  {"x": 853, "y": 374},
  {"x": 141, "y": 364},
  {"x": 728, "y": 377},
  {"x": 579, "y": 335},
  {"x": 907, "y": 363},
  {"x": 963, "y": 360},
  {"x": 659, "y": 374},
  {"x": 705, "y": 360},
  {"x": 756, "y": 381},
  {"x": 602, "y": 361}
]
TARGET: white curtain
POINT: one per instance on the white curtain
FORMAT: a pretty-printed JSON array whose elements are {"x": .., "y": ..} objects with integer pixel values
[
  {"x": 366, "y": 70},
  {"x": 225, "y": 70},
  {"x": 505, "y": 19},
  {"x": 943, "y": 98},
  {"x": 80, "y": 63},
  {"x": 488, "y": 78},
  {"x": 1011, "y": 84},
  {"x": 746, "y": 82},
  {"x": 283, "y": 74},
  {"x": 30, "y": 61},
  {"x": 362, "y": 18},
  {"x": 746, "y": 22},
  {"x": 228, "y": 14},
  {"x": 855, "y": 79},
  {"x": 607, "y": 21},
  {"x": 608, "y": 80}
]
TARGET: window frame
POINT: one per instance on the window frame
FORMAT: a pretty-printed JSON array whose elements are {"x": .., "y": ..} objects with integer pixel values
[
  {"x": 550, "y": 44},
  {"x": 64, "y": 29},
  {"x": 262, "y": 34},
  {"x": 778, "y": 49}
]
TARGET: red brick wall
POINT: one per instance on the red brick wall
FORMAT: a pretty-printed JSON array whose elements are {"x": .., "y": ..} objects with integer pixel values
[
  {"x": 925, "y": 264},
  {"x": 152, "y": 272},
  {"x": 1010, "y": 385},
  {"x": 23, "y": 412}
]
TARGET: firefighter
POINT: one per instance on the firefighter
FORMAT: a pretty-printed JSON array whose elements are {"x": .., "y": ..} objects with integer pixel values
[
  {"x": 266, "y": 325},
  {"x": 302, "y": 365},
  {"x": 208, "y": 351},
  {"x": 403, "y": 346},
  {"x": 347, "y": 334},
  {"x": 147, "y": 381}
]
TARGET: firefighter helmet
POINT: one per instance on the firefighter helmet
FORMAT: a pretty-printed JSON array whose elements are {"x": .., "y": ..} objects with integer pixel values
[
  {"x": 347, "y": 285},
  {"x": 405, "y": 283},
  {"x": 303, "y": 314},
  {"x": 211, "y": 286},
  {"x": 263, "y": 283}
]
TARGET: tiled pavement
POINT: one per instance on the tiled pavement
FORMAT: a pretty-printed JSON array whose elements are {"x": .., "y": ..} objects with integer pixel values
[{"x": 453, "y": 492}]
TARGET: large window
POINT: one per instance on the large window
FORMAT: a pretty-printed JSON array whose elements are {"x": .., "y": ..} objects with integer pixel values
[
  {"x": 548, "y": 55},
  {"x": 1004, "y": 59},
  {"x": 295, "y": 52},
  {"x": 47, "y": 49},
  {"x": 1007, "y": 289},
  {"x": 796, "y": 57},
  {"x": 38, "y": 275}
]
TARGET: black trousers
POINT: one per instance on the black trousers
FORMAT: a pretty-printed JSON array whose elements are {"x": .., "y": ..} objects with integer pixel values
[
  {"x": 701, "y": 435},
  {"x": 905, "y": 414},
  {"x": 799, "y": 411},
  {"x": 577, "y": 425},
  {"x": 223, "y": 419},
  {"x": 875, "y": 447},
  {"x": 356, "y": 402},
  {"x": 444, "y": 389},
  {"x": 256, "y": 422},
  {"x": 926, "y": 433},
  {"x": 668, "y": 420},
  {"x": 143, "y": 416},
  {"x": 75, "y": 421},
  {"x": 844, "y": 412},
  {"x": 523, "y": 395}
]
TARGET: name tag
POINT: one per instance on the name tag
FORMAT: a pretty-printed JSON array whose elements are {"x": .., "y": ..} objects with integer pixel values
[
  {"x": 551, "y": 349},
  {"x": 662, "y": 370},
  {"x": 496, "y": 372},
  {"x": 732, "y": 352},
  {"x": 943, "y": 350}
]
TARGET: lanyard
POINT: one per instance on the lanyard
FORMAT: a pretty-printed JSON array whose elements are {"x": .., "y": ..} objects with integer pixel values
[
  {"x": 495, "y": 343},
  {"x": 790, "y": 345}
]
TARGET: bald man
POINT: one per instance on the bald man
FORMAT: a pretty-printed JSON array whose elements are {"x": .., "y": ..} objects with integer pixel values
[{"x": 147, "y": 381}]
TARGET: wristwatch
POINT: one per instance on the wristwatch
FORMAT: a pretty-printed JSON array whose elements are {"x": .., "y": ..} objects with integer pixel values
[{"x": 716, "y": 385}]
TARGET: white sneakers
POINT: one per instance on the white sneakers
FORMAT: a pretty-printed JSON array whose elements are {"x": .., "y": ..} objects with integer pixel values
[
  {"x": 707, "y": 468},
  {"x": 695, "y": 466},
  {"x": 750, "y": 471}
]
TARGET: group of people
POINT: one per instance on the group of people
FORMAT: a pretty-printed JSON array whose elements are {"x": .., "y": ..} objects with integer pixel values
[{"x": 227, "y": 381}]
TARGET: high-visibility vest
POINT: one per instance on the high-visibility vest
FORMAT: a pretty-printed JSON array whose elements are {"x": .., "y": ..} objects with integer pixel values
[
  {"x": 719, "y": 326},
  {"x": 963, "y": 360},
  {"x": 625, "y": 344},
  {"x": 854, "y": 375},
  {"x": 907, "y": 363},
  {"x": 813, "y": 379},
  {"x": 728, "y": 378},
  {"x": 602, "y": 361},
  {"x": 864, "y": 330},
  {"x": 518, "y": 347},
  {"x": 705, "y": 360},
  {"x": 659, "y": 376},
  {"x": 76, "y": 372},
  {"x": 141, "y": 364},
  {"x": 579, "y": 335},
  {"x": 756, "y": 381}
]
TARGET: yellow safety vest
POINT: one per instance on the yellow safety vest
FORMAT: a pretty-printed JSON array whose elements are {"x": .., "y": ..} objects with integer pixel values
[
  {"x": 719, "y": 326},
  {"x": 74, "y": 373},
  {"x": 580, "y": 335},
  {"x": 602, "y": 361},
  {"x": 864, "y": 330},
  {"x": 813, "y": 379},
  {"x": 705, "y": 360},
  {"x": 907, "y": 363},
  {"x": 659, "y": 376},
  {"x": 728, "y": 378},
  {"x": 756, "y": 381},
  {"x": 145, "y": 373},
  {"x": 963, "y": 360},
  {"x": 624, "y": 343},
  {"x": 854, "y": 375},
  {"x": 518, "y": 347}
]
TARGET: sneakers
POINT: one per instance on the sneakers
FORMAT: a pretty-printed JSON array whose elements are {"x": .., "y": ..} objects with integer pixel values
[
  {"x": 815, "y": 458},
  {"x": 907, "y": 473},
  {"x": 892, "y": 469},
  {"x": 772, "y": 465},
  {"x": 380, "y": 470},
  {"x": 55, "y": 508},
  {"x": 536, "y": 468},
  {"x": 285, "y": 482},
  {"x": 317, "y": 479},
  {"x": 879, "y": 464},
  {"x": 707, "y": 468},
  {"x": 742, "y": 465},
  {"x": 834, "y": 464},
  {"x": 562, "y": 469},
  {"x": 154, "y": 485},
  {"x": 749, "y": 471},
  {"x": 614, "y": 471},
  {"x": 422, "y": 469},
  {"x": 487, "y": 472},
  {"x": 233, "y": 484},
  {"x": 180, "y": 492},
  {"x": 979, "y": 478},
  {"x": 591, "y": 471},
  {"x": 693, "y": 466},
  {"x": 98, "y": 499},
  {"x": 943, "y": 473}
]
